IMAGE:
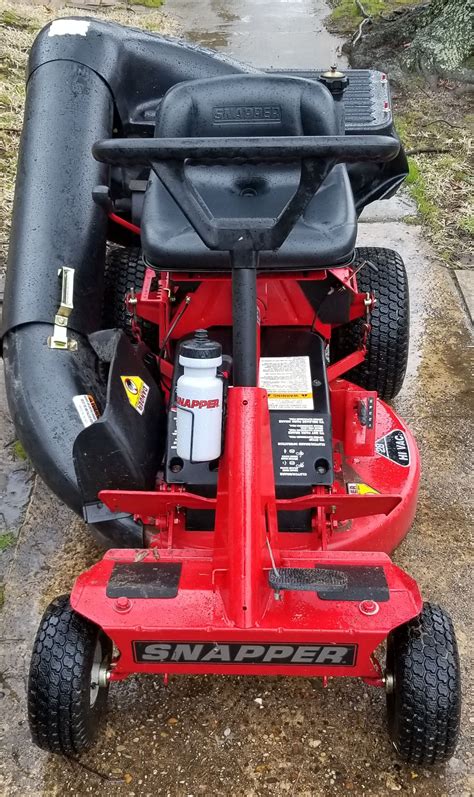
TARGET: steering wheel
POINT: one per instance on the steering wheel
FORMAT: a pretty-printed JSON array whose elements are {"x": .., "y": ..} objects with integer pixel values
[{"x": 317, "y": 155}]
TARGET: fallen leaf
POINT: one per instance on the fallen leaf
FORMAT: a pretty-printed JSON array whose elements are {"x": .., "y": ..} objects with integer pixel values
[{"x": 392, "y": 784}]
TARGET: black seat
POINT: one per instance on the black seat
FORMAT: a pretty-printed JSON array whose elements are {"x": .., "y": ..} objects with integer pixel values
[{"x": 250, "y": 105}]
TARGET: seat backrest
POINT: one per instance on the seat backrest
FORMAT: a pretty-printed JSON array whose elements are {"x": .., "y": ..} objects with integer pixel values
[
  {"x": 247, "y": 105},
  {"x": 227, "y": 202}
]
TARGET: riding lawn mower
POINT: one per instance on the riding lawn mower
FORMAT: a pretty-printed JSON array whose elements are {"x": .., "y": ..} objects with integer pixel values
[{"x": 200, "y": 362}]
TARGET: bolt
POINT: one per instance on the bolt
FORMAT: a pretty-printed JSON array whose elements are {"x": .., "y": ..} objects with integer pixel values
[
  {"x": 389, "y": 683},
  {"x": 122, "y": 604},
  {"x": 369, "y": 607}
]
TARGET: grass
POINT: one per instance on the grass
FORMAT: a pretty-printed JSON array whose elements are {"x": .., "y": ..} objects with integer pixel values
[
  {"x": 148, "y": 3},
  {"x": 6, "y": 540},
  {"x": 346, "y": 15},
  {"x": 440, "y": 181},
  {"x": 19, "y": 24},
  {"x": 18, "y": 451},
  {"x": 418, "y": 189}
]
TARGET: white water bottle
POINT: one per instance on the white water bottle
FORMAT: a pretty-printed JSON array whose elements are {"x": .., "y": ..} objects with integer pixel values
[{"x": 199, "y": 394}]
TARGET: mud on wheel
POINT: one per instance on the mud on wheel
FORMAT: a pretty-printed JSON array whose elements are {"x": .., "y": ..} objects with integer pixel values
[
  {"x": 67, "y": 687},
  {"x": 424, "y": 688},
  {"x": 382, "y": 272}
]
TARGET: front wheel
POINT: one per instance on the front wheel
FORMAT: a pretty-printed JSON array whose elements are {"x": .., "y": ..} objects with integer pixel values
[
  {"x": 67, "y": 687},
  {"x": 424, "y": 688}
]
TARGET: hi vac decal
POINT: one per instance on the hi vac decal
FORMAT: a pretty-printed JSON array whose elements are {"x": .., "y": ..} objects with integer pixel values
[
  {"x": 394, "y": 446},
  {"x": 217, "y": 653}
]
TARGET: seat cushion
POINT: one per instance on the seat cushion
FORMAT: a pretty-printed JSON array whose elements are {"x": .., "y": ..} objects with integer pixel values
[
  {"x": 249, "y": 105},
  {"x": 324, "y": 236}
]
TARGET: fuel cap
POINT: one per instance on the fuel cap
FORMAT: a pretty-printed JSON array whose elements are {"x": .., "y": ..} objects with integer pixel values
[{"x": 334, "y": 80}]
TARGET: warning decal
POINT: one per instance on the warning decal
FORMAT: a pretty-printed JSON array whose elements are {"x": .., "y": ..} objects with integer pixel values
[
  {"x": 394, "y": 446},
  {"x": 287, "y": 381},
  {"x": 86, "y": 408},
  {"x": 359, "y": 488},
  {"x": 137, "y": 392}
]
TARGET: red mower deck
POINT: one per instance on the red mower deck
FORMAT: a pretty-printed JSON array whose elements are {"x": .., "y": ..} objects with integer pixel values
[{"x": 202, "y": 602}]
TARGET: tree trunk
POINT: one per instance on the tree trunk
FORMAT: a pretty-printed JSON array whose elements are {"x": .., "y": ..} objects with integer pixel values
[{"x": 442, "y": 44}]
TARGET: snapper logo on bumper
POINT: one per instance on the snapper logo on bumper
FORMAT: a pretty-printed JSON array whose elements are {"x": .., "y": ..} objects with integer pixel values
[{"x": 217, "y": 653}]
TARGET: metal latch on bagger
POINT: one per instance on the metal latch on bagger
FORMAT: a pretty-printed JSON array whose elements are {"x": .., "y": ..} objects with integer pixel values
[{"x": 59, "y": 338}]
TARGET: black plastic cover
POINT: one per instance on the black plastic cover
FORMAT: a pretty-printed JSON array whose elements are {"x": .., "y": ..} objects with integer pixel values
[
  {"x": 301, "y": 439},
  {"x": 123, "y": 449},
  {"x": 40, "y": 384},
  {"x": 55, "y": 221}
]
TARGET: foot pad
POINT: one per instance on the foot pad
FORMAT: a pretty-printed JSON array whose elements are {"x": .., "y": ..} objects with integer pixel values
[{"x": 308, "y": 579}]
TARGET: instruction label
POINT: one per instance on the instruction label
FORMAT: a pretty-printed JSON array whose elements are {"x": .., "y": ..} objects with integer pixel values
[
  {"x": 297, "y": 439},
  {"x": 137, "y": 392},
  {"x": 86, "y": 408},
  {"x": 287, "y": 381}
]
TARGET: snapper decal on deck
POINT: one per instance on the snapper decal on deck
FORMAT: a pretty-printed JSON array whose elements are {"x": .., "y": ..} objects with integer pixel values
[{"x": 217, "y": 653}]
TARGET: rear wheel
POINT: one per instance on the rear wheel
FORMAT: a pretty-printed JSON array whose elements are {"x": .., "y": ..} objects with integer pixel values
[
  {"x": 124, "y": 269},
  {"x": 67, "y": 687},
  {"x": 383, "y": 273},
  {"x": 424, "y": 688}
]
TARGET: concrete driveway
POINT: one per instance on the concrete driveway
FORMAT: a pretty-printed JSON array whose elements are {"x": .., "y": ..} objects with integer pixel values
[{"x": 211, "y": 736}]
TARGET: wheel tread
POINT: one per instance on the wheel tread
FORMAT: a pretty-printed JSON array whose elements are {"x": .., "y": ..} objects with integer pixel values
[
  {"x": 384, "y": 367},
  {"x": 124, "y": 269},
  {"x": 56, "y": 684},
  {"x": 424, "y": 712}
]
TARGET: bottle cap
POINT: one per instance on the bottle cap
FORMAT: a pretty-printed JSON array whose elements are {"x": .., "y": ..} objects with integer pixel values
[{"x": 200, "y": 347}]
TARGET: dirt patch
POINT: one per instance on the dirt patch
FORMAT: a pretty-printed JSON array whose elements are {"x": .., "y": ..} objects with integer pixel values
[{"x": 19, "y": 24}]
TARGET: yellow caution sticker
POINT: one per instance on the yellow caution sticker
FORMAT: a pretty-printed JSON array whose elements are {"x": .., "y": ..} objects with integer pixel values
[
  {"x": 359, "y": 488},
  {"x": 290, "y": 396},
  {"x": 137, "y": 392}
]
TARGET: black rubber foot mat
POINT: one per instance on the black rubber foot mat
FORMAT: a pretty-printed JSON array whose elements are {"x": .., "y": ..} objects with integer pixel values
[
  {"x": 333, "y": 582},
  {"x": 310, "y": 579},
  {"x": 144, "y": 580}
]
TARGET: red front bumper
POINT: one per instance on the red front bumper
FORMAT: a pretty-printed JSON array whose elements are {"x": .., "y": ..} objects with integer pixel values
[{"x": 300, "y": 634}]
